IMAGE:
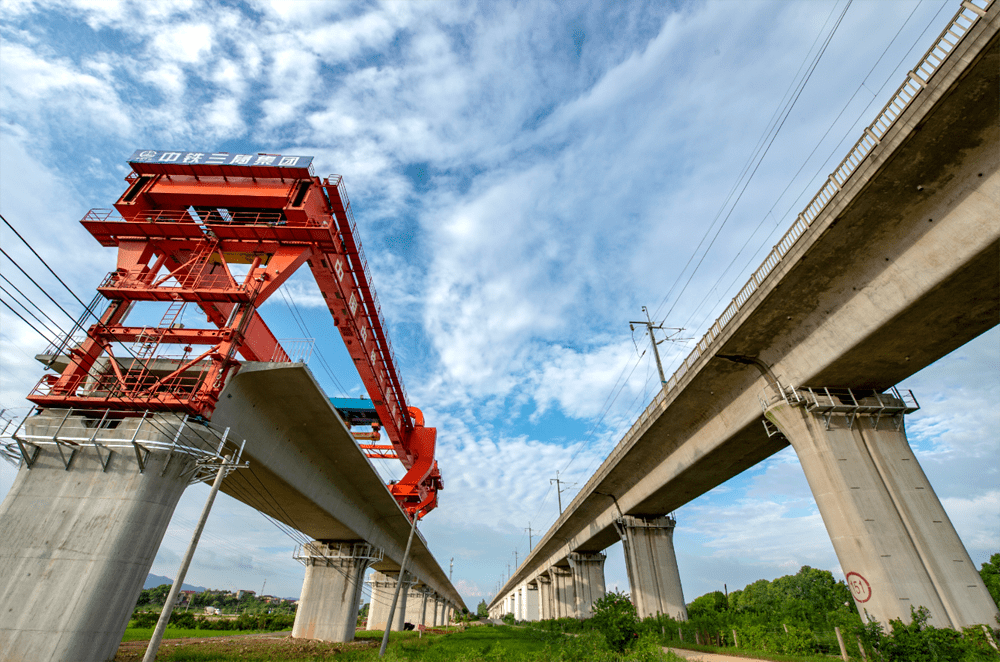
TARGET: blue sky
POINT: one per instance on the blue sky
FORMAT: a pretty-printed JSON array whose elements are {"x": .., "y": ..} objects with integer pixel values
[{"x": 525, "y": 177}]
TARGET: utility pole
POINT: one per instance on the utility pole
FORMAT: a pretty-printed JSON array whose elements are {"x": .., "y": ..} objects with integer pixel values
[
  {"x": 515, "y": 558},
  {"x": 168, "y": 607},
  {"x": 649, "y": 327},
  {"x": 451, "y": 567},
  {"x": 560, "y": 490},
  {"x": 529, "y": 537}
]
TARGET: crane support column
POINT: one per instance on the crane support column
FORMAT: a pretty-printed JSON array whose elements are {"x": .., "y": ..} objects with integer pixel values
[
  {"x": 893, "y": 538},
  {"x": 653, "y": 577},
  {"x": 331, "y": 591},
  {"x": 588, "y": 580}
]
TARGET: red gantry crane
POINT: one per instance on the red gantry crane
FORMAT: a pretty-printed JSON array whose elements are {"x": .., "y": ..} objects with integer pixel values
[{"x": 184, "y": 219}]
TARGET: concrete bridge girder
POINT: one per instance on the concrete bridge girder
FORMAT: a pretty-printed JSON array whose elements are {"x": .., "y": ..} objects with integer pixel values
[{"x": 898, "y": 270}]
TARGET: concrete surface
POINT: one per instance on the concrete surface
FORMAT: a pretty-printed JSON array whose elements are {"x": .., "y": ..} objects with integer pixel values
[
  {"x": 588, "y": 581},
  {"x": 307, "y": 471},
  {"x": 331, "y": 592},
  {"x": 654, "y": 580},
  {"x": 893, "y": 539},
  {"x": 76, "y": 544},
  {"x": 563, "y": 593},
  {"x": 899, "y": 269}
]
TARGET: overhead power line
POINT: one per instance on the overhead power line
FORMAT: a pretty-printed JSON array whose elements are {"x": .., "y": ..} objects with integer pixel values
[{"x": 750, "y": 169}]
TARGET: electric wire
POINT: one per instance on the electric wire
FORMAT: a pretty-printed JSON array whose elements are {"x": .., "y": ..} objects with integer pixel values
[
  {"x": 29, "y": 324},
  {"x": 819, "y": 143},
  {"x": 747, "y": 165},
  {"x": 304, "y": 328},
  {"x": 760, "y": 160},
  {"x": 31, "y": 301}
]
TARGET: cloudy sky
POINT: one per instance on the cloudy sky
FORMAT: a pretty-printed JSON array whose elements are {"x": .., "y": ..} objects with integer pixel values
[{"x": 525, "y": 177}]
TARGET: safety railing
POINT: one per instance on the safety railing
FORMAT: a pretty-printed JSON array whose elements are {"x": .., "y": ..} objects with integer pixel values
[
  {"x": 375, "y": 310},
  {"x": 293, "y": 350},
  {"x": 916, "y": 80},
  {"x": 109, "y": 431},
  {"x": 198, "y": 217}
]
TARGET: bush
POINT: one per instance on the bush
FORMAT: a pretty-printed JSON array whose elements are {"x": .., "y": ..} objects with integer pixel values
[
  {"x": 145, "y": 619},
  {"x": 615, "y": 617},
  {"x": 508, "y": 619},
  {"x": 919, "y": 642}
]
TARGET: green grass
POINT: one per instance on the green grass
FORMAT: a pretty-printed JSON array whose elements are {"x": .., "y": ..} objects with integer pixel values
[
  {"x": 476, "y": 644},
  {"x": 140, "y": 634}
]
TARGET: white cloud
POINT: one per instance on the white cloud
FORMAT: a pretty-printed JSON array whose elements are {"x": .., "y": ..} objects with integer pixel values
[{"x": 572, "y": 156}]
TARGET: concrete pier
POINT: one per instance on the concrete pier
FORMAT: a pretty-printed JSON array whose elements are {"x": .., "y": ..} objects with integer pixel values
[
  {"x": 382, "y": 588},
  {"x": 331, "y": 592},
  {"x": 563, "y": 593},
  {"x": 80, "y": 527},
  {"x": 399, "y": 619},
  {"x": 544, "y": 597},
  {"x": 896, "y": 545},
  {"x": 531, "y": 602},
  {"x": 653, "y": 577},
  {"x": 436, "y": 606},
  {"x": 414, "y": 605},
  {"x": 588, "y": 580}
]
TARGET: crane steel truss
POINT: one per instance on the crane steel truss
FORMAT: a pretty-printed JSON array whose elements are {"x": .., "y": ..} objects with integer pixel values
[{"x": 184, "y": 219}]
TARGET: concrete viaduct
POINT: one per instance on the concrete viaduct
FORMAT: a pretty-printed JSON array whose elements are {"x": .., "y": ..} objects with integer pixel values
[
  {"x": 82, "y": 523},
  {"x": 892, "y": 266}
]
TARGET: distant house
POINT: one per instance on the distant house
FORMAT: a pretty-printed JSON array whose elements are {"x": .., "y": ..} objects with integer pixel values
[{"x": 240, "y": 594}]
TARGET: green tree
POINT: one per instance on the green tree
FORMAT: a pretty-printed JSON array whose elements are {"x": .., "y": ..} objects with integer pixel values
[
  {"x": 616, "y": 618},
  {"x": 483, "y": 609},
  {"x": 710, "y": 603},
  {"x": 990, "y": 572}
]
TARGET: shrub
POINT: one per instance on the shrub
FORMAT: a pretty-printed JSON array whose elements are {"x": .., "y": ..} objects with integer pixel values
[
  {"x": 615, "y": 617},
  {"x": 145, "y": 619}
]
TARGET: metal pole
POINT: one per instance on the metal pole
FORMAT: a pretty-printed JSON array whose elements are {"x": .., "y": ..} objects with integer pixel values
[
  {"x": 558, "y": 491},
  {"x": 656, "y": 352},
  {"x": 399, "y": 584},
  {"x": 161, "y": 625}
]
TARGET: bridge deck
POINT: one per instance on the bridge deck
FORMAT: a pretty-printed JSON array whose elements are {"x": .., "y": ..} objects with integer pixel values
[{"x": 898, "y": 270}]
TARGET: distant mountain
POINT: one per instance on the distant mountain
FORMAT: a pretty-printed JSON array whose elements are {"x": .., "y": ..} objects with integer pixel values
[{"x": 152, "y": 581}]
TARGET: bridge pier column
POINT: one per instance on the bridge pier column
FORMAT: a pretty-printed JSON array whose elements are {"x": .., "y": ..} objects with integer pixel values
[
  {"x": 588, "y": 580},
  {"x": 414, "y": 608},
  {"x": 438, "y": 610},
  {"x": 544, "y": 597},
  {"x": 400, "y": 618},
  {"x": 531, "y": 602},
  {"x": 653, "y": 577},
  {"x": 383, "y": 588},
  {"x": 80, "y": 528},
  {"x": 331, "y": 592},
  {"x": 424, "y": 596},
  {"x": 892, "y": 537},
  {"x": 563, "y": 594}
]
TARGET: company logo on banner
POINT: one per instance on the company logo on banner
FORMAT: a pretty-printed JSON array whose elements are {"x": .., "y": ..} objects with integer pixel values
[{"x": 220, "y": 158}]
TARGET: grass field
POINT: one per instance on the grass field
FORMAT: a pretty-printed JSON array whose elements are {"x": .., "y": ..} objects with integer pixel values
[
  {"x": 476, "y": 644},
  {"x": 139, "y": 634}
]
